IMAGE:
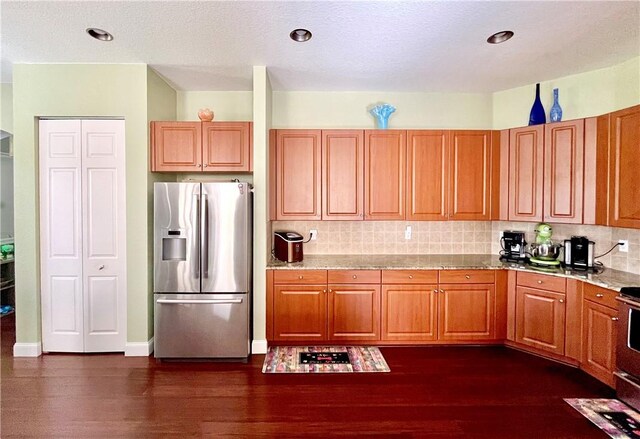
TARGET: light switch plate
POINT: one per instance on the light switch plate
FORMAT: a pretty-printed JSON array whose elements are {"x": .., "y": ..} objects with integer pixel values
[{"x": 407, "y": 232}]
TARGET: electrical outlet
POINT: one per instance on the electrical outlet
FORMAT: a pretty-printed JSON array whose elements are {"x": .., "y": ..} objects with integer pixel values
[
  {"x": 314, "y": 234},
  {"x": 407, "y": 232},
  {"x": 624, "y": 245}
]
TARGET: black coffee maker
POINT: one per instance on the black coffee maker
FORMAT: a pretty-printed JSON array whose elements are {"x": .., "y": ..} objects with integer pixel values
[{"x": 513, "y": 246}]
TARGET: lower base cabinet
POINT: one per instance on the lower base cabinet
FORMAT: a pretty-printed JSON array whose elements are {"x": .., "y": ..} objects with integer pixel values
[
  {"x": 599, "y": 332},
  {"x": 409, "y": 312},
  {"x": 300, "y": 312},
  {"x": 466, "y": 312},
  {"x": 540, "y": 319},
  {"x": 354, "y": 312}
]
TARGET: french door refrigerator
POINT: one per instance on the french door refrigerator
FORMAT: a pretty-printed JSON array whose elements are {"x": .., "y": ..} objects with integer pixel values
[{"x": 202, "y": 270}]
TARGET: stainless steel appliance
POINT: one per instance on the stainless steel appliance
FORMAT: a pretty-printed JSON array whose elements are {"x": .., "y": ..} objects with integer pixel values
[
  {"x": 628, "y": 347},
  {"x": 287, "y": 246},
  {"x": 513, "y": 246},
  {"x": 202, "y": 270},
  {"x": 579, "y": 252}
]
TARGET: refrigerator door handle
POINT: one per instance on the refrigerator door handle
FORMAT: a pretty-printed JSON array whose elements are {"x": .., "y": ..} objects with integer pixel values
[
  {"x": 200, "y": 302},
  {"x": 205, "y": 235},
  {"x": 196, "y": 237}
]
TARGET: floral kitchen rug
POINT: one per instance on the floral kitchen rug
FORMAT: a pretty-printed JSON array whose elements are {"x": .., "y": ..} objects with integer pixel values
[
  {"x": 613, "y": 417},
  {"x": 324, "y": 359}
]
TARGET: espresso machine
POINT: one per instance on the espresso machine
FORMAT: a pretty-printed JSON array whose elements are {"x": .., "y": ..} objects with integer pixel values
[{"x": 513, "y": 246}]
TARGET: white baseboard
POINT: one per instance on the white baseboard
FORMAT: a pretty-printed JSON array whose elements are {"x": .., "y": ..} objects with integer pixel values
[
  {"x": 259, "y": 347},
  {"x": 139, "y": 349},
  {"x": 27, "y": 349}
]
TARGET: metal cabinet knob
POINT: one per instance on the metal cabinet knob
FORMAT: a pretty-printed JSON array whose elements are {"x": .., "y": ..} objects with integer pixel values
[
  {"x": 435, "y": 291},
  {"x": 410, "y": 276},
  {"x": 324, "y": 291},
  {"x": 467, "y": 277},
  {"x": 539, "y": 281},
  {"x": 561, "y": 300},
  {"x": 355, "y": 277},
  {"x": 442, "y": 291},
  {"x": 615, "y": 319},
  {"x": 599, "y": 295},
  {"x": 300, "y": 277},
  {"x": 101, "y": 267},
  {"x": 330, "y": 290},
  {"x": 205, "y": 165}
]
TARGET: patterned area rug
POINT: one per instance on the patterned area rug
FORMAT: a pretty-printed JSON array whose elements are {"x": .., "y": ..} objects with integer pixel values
[
  {"x": 286, "y": 359},
  {"x": 610, "y": 415}
]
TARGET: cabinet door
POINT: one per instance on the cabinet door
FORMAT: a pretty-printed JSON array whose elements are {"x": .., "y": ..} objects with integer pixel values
[
  {"x": 298, "y": 190},
  {"x": 563, "y": 172},
  {"x": 384, "y": 174},
  {"x": 466, "y": 312},
  {"x": 526, "y": 173},
  {"x": 427, "y": 175},
  {"x": 624, "y": 162},
  {"x": 176, "y": 146},
  {"x": 599, "y": 341},
  {"x": 540, "y": 319},
  {"x": 226, "y": 146},
  {"x": 299, "y": 312},
  {"x": 354, "y": 312},
  {"x": 469, "y": 176},
  {"x": 409, "y": 312},
  {"x": 342, "y": 179}
]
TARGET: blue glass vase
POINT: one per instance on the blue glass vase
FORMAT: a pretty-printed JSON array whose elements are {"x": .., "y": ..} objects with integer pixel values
[
  {"x": 537, "y": 115},
  {"x": 381, "y": 113},
  {"x": 556, "y": 111}
]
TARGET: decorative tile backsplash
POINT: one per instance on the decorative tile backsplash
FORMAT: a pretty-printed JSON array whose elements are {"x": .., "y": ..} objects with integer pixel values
[{"x": 452, "y": 237}]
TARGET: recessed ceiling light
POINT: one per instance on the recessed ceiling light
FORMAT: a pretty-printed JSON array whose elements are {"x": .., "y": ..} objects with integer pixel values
[
  {"x": 300, "y": 35},
  {"x": 99, "y": 34},
  {"x": 500, "y": 37}
]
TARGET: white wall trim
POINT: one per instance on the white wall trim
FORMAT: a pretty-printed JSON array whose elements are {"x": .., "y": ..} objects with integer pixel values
[
  {"x": 259, "y": 347},
  {"x": 27, "y": 349},
  {"x": 139, "y": 348}
]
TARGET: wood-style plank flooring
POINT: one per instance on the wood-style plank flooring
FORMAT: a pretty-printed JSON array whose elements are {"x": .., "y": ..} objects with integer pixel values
[{"x": 439, "y": 392}]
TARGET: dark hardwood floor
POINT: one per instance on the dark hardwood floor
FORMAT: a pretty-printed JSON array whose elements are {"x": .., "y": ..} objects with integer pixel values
[{"x": 439, "y": 392}]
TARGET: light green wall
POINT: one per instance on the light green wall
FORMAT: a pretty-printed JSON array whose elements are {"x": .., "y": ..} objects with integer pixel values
[
  {"x": 78, "y": 90},
  {"x": 226, "y": 105},
  {"x": 262, "y": 116},
  {"x": 582, "y": 95},
  {"x": 311, "y": 109},
  {"x": 161, "y": 105},
  {"x": 6, "y": 107}
]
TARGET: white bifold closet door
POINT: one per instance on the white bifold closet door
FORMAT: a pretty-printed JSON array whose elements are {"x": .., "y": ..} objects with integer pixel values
[{"x": 83, "y": 235}]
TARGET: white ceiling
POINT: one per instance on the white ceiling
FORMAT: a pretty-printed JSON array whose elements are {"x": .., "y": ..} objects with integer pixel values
[{"x": 363, "y": 45}]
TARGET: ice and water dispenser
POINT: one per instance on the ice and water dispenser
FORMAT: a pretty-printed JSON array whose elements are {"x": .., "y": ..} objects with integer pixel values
[{"x": 174, "y": 245}]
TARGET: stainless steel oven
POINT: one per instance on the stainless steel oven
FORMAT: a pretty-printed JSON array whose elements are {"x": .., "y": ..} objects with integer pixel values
[{"x": 628, "y": 348}]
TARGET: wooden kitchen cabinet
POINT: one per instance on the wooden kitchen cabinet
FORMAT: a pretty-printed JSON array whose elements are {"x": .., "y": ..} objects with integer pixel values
[
  {"x": 624, "y": 163},
  {"x": 200, "y": 146},
  {"x": 599, "y": 332},
  {"x": 300, "y": 312},
  {"x": 427, "y": 175},
  {"x": 466, "y": 312},
  {"x": 298, "y": 175},
  {"x": 354, "y": 312},
  {"x": 564, "y": 172},
  {"x": 526, "y": 158},
  {"x": 342, "y": 174},
  {"x": 469, "y": 175},
  {"x": 540, "y": 319},
  {"x": 384, "y": 174},
  {"x": 409, "y": 312}
]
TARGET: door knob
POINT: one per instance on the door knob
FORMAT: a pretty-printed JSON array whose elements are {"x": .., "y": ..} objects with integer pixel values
[{"x": 101, "y": 267}]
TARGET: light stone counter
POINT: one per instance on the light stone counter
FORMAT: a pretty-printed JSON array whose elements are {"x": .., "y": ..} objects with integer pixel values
[{"x": 612, "y": 279}]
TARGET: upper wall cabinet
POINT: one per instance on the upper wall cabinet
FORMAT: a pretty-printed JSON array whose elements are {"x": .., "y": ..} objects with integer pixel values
[
  {"x": 624, "y": 165},
  {"x": 526, "y": 155},
  {"x": 384, "y": 174},
  {"x": 469, "y": 175},
  {"x": 342, "y": 180},
  {"x": 298, "y": 175},
  {"x": 201, "y": 146}
]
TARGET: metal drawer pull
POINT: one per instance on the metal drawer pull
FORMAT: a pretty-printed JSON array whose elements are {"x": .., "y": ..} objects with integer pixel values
[
  {"x": 300, "y": 277},
  {"x": 355, "y": 277},
  {"x": 410, "y": 276},
  {"x": 615, "y": 319},
  {"x": 468, "y": 277},
  {"x": 539, "y": 281},
  {"x": 200, "y": 302},
  {"x": 101, "y": 267},
  {"x": 599, "y": 295}
]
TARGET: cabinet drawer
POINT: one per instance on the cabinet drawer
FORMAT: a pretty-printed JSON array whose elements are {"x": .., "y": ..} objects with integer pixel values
[
  {"x": 354, "y": 276},
  {"x": 467, "y": 276},
  {"x": 409, "y": 276},
  {"x": 300, "y": 276},
  {"x": 600, "y": 295},
  {"x": 542, "y": 282}
]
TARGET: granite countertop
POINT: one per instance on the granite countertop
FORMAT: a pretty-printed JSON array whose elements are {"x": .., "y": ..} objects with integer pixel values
[{"x": 612, "y": 279}]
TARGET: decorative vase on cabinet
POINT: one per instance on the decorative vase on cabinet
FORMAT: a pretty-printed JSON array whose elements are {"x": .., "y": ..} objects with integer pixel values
[
  {"x": 556, "y": 111},
  {"x": 537, "y": 115}
]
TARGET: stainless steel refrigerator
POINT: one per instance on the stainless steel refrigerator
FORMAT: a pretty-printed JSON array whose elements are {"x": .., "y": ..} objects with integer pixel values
[{"x": 202, "y": 270}]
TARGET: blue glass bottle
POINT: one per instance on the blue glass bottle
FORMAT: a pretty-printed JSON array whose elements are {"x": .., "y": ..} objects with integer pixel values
[
  {"x": 537, "y": 115},
  {"x": 556, "y": 111}
]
